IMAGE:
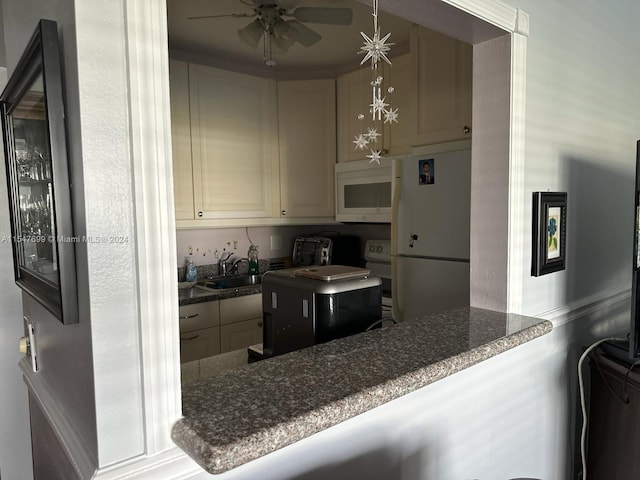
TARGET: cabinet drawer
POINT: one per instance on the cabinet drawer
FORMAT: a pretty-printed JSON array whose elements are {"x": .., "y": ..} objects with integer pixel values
[
  {"x": 199, "y": 315},
  {"x": 238, "y": 309},
  {"x": 199, "y": 344},
  {"x": 240, "y": 335}
]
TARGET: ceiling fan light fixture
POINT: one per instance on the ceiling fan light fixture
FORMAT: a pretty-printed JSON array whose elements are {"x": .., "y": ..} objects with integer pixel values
[
  {"x": 281, "y": 44},
  {"x": 280, "y": 29},
  {"x": 252, "y": 33},
  {"x": 278, "y": 33}
]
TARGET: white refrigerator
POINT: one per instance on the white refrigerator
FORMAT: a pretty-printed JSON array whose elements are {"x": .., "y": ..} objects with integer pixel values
[{"x": 430, "y": 230}]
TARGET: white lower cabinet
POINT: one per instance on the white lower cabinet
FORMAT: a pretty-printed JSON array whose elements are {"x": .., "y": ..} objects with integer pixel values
[
  {"x": 199, "y": 331},
  {"x": 240, "y": 335},
  {"x": 199, "y": 344},
  {"x": 211, "y": 328},
  {"x": 241, "y": 322}
]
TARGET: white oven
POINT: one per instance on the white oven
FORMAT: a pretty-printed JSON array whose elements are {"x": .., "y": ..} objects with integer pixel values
[
  {"x": 377, "y": 254},
  {"x": 363, "y": 191}
]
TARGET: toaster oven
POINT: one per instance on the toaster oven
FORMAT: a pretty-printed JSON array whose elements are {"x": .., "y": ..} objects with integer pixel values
[{"x": 327, "y": 250}]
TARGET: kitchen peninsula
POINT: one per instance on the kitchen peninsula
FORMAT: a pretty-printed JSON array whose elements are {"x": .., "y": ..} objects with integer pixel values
[{"x": 237, "y": 416}]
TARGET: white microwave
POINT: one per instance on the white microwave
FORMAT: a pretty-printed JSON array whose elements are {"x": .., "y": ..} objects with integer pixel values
[{"x": 363, "y": 191}]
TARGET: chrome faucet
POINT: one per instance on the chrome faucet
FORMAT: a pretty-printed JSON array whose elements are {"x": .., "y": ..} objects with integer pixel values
[
  {"x": 228, "y": 265},
  {"x": 222, "y": 264}
]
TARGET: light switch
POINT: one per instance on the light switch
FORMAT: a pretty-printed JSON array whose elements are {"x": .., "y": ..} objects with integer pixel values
[{"x": 276, "y": 242}]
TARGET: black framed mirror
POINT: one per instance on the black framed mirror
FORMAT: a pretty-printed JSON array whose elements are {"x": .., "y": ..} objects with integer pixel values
[{"x": 34, "y": 133}]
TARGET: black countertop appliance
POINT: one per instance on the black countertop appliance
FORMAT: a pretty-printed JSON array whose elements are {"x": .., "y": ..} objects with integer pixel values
[{"x": 305, "y": 306}]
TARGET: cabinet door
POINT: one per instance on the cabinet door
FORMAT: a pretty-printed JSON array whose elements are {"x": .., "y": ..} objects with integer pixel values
[
  {"x": 354, "y": 97},
  {"x": 240, "y": 335},
  {"x": 237, "y": 309},
  {"x": 198, "y": 316},
  {"x": 181, "y": 139},
  {"x": 241, "y": 320},
  {"x": 444, "y": 80},
  {"x": 234, "y": 144},
  {"x": 307, "y": 145},
  {"x": 199, "y": 344},
  {"x": 399, "y": 137}
]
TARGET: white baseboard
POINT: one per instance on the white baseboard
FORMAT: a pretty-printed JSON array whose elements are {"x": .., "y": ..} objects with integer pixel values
[
  {"x": 171, "y": 464},
  {"x": 586, "y": 306}
]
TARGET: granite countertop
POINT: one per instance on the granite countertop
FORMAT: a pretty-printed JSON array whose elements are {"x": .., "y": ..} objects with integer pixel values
[
  {"x": 198, "y": 295},
  {"x": 233, "y": 417}
]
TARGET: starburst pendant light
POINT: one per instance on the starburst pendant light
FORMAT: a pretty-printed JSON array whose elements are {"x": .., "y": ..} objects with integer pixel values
[{"x": 375, "y": 49}]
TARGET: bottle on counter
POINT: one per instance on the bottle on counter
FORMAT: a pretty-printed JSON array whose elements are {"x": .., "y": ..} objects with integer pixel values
[
  {"x": 191, "y": 274},
  {"x": 252, "y": 255}
]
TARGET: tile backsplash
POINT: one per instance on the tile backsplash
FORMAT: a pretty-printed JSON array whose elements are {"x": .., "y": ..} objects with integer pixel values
[{"x": 207, "y": 245}]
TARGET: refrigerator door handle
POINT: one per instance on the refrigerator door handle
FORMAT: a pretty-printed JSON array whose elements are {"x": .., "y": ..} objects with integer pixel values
[{"x": 396, "y": 188}]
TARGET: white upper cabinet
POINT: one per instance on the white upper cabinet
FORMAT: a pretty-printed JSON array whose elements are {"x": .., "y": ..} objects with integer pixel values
[
  {"x": 354, "y": 98},
  {"x": 250, "y": 151},
  {"x": 307, "y": 140},
  {"x": 431, "y": 90},
  {"x": 354, "y": 92},
  {"x": 398, "y": 138},
  {"x": 234, "y": 141},
  {"x": 181, "y": 139},
  {"x": 443, "y": 78}
]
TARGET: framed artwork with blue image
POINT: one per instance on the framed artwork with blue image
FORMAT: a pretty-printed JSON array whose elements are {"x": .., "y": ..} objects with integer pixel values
[{"x": 549, "y": 232}]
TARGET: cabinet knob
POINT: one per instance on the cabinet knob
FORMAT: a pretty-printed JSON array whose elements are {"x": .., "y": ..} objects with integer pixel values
[
  {"x": 200, "y": 214},
  {"x": 283, "y": 212},
  {"x": 466, "y": 129},
  {"x": 184, "y": 317},
  {"x": 260, "y": 323}
]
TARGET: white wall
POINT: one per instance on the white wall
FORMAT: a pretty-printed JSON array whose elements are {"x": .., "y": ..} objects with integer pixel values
[
  {"x": 69, "y": 380},
  {"x": 91, "y": 370},
  {"x": 582, "y": 123},
  {"x": 15, "y": 441}
]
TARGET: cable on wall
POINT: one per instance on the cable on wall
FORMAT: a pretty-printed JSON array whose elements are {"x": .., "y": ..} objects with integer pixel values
[{"x": 583, "y": 406}]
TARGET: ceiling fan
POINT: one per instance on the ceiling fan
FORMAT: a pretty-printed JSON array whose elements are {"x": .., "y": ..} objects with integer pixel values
[{"x": 281, "y": 25}]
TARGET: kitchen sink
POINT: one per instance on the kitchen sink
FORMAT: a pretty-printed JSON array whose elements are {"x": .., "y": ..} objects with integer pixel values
[
  {"x": 193, "y": 292},
  {"x": 235, "y": 281}
]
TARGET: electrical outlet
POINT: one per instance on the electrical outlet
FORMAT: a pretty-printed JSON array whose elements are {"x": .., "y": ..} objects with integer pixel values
[{"x": 276, "y": 242}]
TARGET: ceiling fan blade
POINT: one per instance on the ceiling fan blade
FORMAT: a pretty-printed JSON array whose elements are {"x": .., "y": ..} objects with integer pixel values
[
  {"x": 234, "y": 15},
  {"x": 328, "y": 15},
  {"x": 305, "y": 36},
  {"x": 288, "y": 4}
]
